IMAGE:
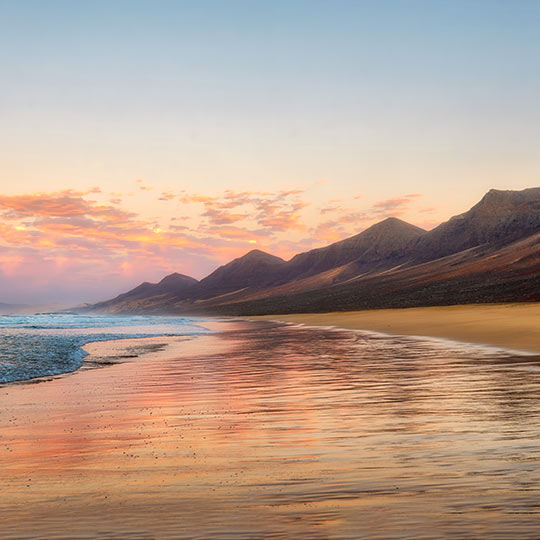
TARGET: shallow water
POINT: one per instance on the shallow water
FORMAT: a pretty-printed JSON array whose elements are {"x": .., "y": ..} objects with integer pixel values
[
  {"x": 270, "y": 431},
  {"x": 42, "y": 345}
]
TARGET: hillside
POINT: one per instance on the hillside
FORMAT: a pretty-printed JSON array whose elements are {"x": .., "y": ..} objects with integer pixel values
[
  {"x": 134, "y": 299},
  {"x": 382, "y": 245},
  {"x": 490, "y": 253},
  {"x": 498, "y": 219},
  {"x": 254, "y": 269}
]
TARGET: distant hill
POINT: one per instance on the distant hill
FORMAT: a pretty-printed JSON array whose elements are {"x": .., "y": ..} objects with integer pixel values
[
  {"x": 171, "y": 284},
  {"x": 491, "y": 253},
  {"x": 254, "y": 269}
]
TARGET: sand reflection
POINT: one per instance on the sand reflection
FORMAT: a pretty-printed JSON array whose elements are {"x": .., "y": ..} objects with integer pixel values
[{"x": 281, "y": 432}]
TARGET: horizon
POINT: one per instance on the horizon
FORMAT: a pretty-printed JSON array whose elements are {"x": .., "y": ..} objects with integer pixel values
[
  {"x": 142, "y": 139},
  {"x": 270, "y": 269}
]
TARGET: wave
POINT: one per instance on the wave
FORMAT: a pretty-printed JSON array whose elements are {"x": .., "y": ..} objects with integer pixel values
[{"x": 47, "y": 345}]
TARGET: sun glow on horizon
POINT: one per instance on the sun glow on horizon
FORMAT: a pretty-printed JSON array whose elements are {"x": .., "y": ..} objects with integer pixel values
[{"x": 129, "y": 158}]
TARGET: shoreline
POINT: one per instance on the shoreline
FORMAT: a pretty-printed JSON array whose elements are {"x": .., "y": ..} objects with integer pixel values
[
  {"x": 261, "y": 429},
  {"x": 116, "y": 349},
  {"x": 510, "y": 326},
  {"x": 110, "y": 352}
]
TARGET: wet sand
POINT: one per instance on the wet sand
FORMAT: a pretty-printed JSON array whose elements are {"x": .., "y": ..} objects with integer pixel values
[
  {"x": 515, "y": 326},
  {"x": 272, "y": 431}
]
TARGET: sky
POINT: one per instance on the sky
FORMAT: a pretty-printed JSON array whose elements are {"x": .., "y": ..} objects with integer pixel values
[{"x": 139, "y": 138}]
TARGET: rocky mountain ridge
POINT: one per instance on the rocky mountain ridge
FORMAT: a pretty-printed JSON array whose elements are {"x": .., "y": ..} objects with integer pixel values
[{"x": 390, "y": 264}]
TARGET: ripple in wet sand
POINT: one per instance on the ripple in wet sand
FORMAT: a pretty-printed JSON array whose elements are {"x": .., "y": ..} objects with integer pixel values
[{"x": 272, "y": 431}]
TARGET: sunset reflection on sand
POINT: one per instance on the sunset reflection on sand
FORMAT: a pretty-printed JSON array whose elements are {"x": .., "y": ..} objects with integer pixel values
[{"x": 266, "y": 430}]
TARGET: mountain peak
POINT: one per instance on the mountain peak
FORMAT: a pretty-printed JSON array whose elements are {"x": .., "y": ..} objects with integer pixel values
[
  {"x": 506, "y": 199},
  {"x": 173, "y": 283},
  {"x": 499, "y": 218},
  {"x": 392, "y": 225},
  {"x": 255, "y": 268},
  {"x": 382, "y": 244},
  {"x": 177, "y": 279},
  {"x": 393, "y": 220},
  {"x": 256, "y": 255}
]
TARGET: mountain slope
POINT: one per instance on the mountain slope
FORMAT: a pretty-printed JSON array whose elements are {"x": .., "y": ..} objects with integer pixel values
[
  {"x": 382, "y": 245},
  {"x": 499, "y": 218},
  {"x": 171, "y": 284},
  {"x": 254, "y": 269},
  {"x": 478, "y": 275},
  {"x": 490, "y": 253}
]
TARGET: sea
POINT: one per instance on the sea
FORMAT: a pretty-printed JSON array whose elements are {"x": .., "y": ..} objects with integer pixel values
[{"x": 44, "y": 345}]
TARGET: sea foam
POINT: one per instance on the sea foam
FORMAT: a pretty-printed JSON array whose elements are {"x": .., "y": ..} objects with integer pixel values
[{"x": 51, "y": 344}]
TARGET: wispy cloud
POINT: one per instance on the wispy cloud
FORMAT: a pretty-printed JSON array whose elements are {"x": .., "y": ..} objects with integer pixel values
[
  {"x": 396, "y": 206},
  {"x": 276, "y": 211},
  {"x": 68, "y": 235}
]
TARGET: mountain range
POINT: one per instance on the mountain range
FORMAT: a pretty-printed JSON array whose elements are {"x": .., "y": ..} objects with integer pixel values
[{"x": 491, "y": 253}]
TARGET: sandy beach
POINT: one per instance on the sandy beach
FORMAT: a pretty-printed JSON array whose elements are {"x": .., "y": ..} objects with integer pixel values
[
  {"x": 265, "y": 430},
  {"x": 513, "y": 326}
]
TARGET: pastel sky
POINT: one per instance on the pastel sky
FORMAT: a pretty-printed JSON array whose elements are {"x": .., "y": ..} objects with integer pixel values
[{"x": 144, "y": 137}]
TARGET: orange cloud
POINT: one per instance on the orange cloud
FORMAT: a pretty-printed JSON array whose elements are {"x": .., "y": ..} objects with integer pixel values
[
  {"x": 68, "y": 235},
  {"x": 66, "y": 225},
  {"x": 395, "y": 206},
  {"x": 277, "y": 211}
]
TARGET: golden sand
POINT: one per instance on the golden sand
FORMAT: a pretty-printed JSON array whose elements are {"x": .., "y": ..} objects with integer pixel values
[
  {"x": 514, "y": 326},
  {"x": 264, "y": 431}
]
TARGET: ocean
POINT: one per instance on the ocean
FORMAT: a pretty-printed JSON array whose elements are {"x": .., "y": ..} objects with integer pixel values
[{"x": 33, "y": 346}]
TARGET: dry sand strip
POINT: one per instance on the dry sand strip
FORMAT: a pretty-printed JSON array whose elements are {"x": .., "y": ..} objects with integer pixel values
[{"x": 513, "y": 326}]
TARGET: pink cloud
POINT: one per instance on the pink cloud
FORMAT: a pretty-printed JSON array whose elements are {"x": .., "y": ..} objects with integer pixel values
[
  {"x": 67, "y": 237},
  {"x": 396, "y": 206}
]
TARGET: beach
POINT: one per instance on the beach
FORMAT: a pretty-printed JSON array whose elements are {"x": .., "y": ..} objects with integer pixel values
[
  {"x": 514, "y": 326},
  {"x": 264, "y": 430}
]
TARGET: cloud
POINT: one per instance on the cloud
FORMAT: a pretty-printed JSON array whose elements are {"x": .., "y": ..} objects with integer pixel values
[
  {"x": 330, "y": 209},
  {"x": 222, "y": 217},
  {"x": 58, "y": 232},
  {"x": 278, "y": 211},
  {"x": 188, "y": 198},
  {"x": 353, "y": 217},
  {"x": 91, "y": 236},
  {"x": 396, "y": 206},
  {"x": 328, "y": 231},
  {"x": 66, "y": 203}
]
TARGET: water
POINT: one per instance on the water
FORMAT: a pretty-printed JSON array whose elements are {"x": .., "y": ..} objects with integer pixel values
[
  {"x": 268, "y": 431},
  {"x": 51, "y": 344}
]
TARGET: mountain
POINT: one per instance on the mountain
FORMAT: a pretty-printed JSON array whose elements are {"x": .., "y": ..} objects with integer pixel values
[
  {"x": 478, "y": 275},
  {"x": 382, "y": 245},
  {"x": 171, "y": 284},
  {"x": 499, "y": 218},
  {"x": 254, "y": 269},
  {"x": 491, "y": 253}
]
